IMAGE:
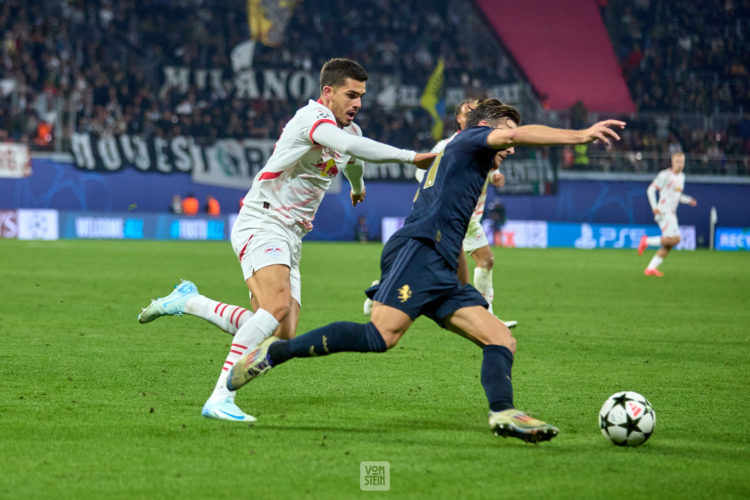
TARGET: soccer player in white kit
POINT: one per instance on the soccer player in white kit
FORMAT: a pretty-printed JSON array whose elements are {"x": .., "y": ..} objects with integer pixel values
[
  {"x": 320, "y": 141},
  {"x": 669, "y": 183},
  {"x": 475, "y": 242}
]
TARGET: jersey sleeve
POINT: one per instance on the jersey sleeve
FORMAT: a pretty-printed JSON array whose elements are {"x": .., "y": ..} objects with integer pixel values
[
  {"x": 686, "y": 198},
  {"x": 440, "y": 146},
  {"x": 660, "y": 180},
  {"x": 475, "y": 143},
  {"x": 315, "y": 117},
  {"x": 656, "y": 185},
  {"x": 361, "y": 147},
  {"x": 354, "y": 171}
]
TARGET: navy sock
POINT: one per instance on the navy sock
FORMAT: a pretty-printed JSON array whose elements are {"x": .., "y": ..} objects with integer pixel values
[
  {"x": 496, "y": 366},
  {"x": 342, "y": 336}
]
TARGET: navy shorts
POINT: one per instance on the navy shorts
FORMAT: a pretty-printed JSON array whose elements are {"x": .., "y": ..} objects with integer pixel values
[{"x": 417, "y": 280}]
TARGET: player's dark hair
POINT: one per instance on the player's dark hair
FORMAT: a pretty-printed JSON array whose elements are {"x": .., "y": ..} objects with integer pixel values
[
  {"x": 471, "y": 102},
  {"x": 336, "y": 71},
  {"x": 492, "y": 111}
]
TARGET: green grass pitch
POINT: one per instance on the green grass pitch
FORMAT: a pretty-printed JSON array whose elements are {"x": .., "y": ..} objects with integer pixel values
[{"x": 95, "y": 405}]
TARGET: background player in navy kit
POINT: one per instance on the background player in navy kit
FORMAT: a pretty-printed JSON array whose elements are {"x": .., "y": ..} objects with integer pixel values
[{"x": 419, "y": 264}]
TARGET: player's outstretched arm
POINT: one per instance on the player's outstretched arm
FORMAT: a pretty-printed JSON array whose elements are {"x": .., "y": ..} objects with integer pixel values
[
  {"x": 688, "y": 200},
  {"x": 541, "y": 135},
  {"x": 424, "y": 160},
  {"x": 366, "y": 149}
]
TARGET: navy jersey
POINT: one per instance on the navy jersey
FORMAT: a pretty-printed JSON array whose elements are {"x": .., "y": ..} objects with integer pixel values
[{"x": 449, "y": 192}]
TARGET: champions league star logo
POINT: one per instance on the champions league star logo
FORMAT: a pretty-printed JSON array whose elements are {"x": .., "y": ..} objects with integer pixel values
[{"x": 37, "y": 226}]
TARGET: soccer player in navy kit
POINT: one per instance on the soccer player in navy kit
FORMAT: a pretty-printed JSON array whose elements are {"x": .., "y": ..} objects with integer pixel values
[{"x": 419, "y": 262}]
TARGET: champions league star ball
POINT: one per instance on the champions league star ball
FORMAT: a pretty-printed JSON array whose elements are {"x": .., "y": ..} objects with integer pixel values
[{"x": 627, "y": 419}]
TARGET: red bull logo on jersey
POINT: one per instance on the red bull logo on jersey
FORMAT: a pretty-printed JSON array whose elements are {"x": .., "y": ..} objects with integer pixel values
[
  {"x": 327, "y": 168},
  {"x": 272, "y": 250}
]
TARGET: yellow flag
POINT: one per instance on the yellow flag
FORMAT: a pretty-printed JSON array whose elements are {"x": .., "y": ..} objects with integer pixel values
[
  {"x": 431, "y": 99},
  {"x": 268, "y": 19}
]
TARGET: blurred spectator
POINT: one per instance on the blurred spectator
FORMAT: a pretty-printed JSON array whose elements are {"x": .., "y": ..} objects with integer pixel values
[
  {"x": 175, "y": 206},
  {"x": 212, "y": 206},
  {"x": 361, "y": 231},
  {"x": 190, "y": 205},
  {"x": 495, "y": 212},
  {"x": 581, "y": 156}
]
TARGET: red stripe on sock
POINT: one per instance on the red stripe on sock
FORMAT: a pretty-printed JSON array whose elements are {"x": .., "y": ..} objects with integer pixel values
[
  {"x": 231, "y": 318},
  {"x": 216, "y": 309},
  {"x": 238, "y": 345},
  {"x": 230, "y": 363},
  {"x": 223, "y": 309},
  {"x": 237, "y": 323},
  {"x": 236, "y": 352},
  {"x": 225, "y": 369}
]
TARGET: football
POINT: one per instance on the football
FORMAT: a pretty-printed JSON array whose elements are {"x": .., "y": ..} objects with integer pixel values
[{"x": 627, "y": 419}]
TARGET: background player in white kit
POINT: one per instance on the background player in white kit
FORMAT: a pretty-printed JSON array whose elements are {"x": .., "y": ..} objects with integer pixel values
[
  {"x": 320, "y": 141},
  {"x": 669, "y": 183},
  {"x": 475, "y": 242}
]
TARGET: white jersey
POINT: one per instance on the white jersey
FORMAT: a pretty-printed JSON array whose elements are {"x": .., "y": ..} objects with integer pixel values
[
  {"x": 479, "y": 208},
  {"x": 670, "y": 186},
  {"x": 293, "y": 182}
]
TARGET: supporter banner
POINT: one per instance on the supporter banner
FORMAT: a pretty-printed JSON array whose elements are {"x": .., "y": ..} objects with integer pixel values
[
  {"x": 521, "y": 176},
  {"x": 528, "y": 176},
  {"x": 399, "y": 172},
  {"x": 15, "y": 160},
  {"x": 244, "y": 81},
  {"x": 609, "y": 235},
  {"x": 119, "y": 226},
  {"x": 8, "y": 224},
  {"x": 234, "y": 163},
  {"x": 38, "y": 224},
  {"x": 228, "y": 163},
  {"x": 732, "y": 238}
]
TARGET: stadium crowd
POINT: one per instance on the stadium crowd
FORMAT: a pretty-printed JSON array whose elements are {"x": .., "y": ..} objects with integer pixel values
[
  {"x": 106, "y": 59},
  {"x": 683, "y": 56},
  {"x": 97, "y": 66}
]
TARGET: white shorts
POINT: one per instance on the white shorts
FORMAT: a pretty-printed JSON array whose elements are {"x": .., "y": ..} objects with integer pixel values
[
  {"x": 475, "y": 237},
  {"x": 259, "y": 241},
  {"x": 668, "y": 225}
]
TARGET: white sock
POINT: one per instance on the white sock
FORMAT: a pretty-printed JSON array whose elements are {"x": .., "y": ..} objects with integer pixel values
[
  {"x": 483, "y": 283},
  {"x": 653, "y": 241},
  {"x": 655, "y": 262},
  {"x": 253, "y": 332},
  {"x": 227, "y": 317}
]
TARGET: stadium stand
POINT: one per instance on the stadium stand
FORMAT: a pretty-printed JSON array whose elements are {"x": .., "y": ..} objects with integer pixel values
[{"x": 99, "y": 66}]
